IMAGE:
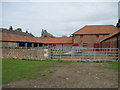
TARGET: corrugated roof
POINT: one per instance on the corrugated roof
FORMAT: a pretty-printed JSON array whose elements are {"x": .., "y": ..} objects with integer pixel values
[
  {"x": 96, "y": 29},
  {"x": 19, "y": 38}
]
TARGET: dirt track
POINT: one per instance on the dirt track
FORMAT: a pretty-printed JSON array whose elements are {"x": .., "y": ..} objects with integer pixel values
[{"x": 73, "y": 75}]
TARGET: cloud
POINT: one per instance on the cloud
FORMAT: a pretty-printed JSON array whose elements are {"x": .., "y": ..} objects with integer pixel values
[
  {"x": 60, "y": 0},
  {"x": 61, "y": 18}
]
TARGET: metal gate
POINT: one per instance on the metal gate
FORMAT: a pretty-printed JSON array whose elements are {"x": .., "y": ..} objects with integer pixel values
[{"x": 84, "y": 54}]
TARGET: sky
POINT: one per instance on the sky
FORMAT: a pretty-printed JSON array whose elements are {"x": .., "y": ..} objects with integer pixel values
[{"x": 58, "y": 18}]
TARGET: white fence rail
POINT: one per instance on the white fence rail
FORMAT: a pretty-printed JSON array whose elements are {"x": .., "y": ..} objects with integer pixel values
[{"x": 84, "y": 54}]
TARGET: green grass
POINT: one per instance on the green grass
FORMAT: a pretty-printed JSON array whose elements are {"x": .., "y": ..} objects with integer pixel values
[
  {"x": 113, "y": 66},
  {"x": 16, "y": 69}
]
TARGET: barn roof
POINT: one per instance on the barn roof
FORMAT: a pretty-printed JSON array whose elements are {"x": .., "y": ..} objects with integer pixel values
[
  {"x": 58, "y": 40},
  {"x": 112, "y": 35},
  {"x": 20, "y": 38},
  {"x": 96, "y": 29},
  {"x": 16, "y": 32}
]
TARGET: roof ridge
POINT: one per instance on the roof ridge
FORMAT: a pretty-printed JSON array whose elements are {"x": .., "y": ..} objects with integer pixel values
[
  {"x": 99, "y": 25},
  {"x": 95, "y": 29}
]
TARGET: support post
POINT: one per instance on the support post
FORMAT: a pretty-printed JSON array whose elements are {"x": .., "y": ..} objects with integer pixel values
[
  {"x": 32, "y": 44},
  {"x": 25, "y": 45}
]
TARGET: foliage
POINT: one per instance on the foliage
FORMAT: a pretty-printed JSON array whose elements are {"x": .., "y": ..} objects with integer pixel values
[
  {"x": 64, "y": 36},
  {"x": 18, "y": 29}
]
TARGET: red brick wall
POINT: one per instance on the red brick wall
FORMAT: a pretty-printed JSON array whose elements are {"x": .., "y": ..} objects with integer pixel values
[
  {"x": 59, "y": 45},
  {"x": 111, "y": 43},
  {"x": 90, "y": 39}
]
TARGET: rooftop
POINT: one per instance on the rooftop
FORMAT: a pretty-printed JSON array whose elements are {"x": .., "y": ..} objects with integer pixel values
[
  {"x": 96, "y": 29},
  {"x": 58, "y": 40},
  {"x": 20, "y": 38},
  {"x": 16, "y": 32},
  {"x": 115, "y": 33}
]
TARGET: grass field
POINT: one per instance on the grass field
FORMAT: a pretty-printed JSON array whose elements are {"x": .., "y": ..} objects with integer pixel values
[
  {"x": 15, "y": 69},
  {"x": 113, "y": 66}
]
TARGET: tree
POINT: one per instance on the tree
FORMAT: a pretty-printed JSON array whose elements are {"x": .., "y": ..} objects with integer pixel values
[
  {"x": 42, "y": 32},
  {"x": 10, "y": 28},
  {"x": 26, "y": 31},
  {"x": 19, "y": 30},
  {"x": 64, "y": 36},
  {"x": 45, "y": 31},
  {"x": 118, "y": 24}
]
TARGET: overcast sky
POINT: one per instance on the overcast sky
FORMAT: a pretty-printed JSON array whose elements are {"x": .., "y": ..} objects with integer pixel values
[{"x": 58, "y": 18}]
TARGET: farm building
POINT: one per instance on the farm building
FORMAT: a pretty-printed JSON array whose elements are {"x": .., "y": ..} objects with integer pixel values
[
  {"x": 57, "y": 41},
  {"x": 90, "y": 35},
  {"x": 12, "y": 38},
  {"x": 45, "y": 34},
  {"x": 17, "y": 31},
  {"x": 111, "y": 41}
]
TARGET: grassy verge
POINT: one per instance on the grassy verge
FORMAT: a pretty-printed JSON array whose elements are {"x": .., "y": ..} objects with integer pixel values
[
  {"x": 113, "y": 66},
  {"x": 16, "y": 69}
]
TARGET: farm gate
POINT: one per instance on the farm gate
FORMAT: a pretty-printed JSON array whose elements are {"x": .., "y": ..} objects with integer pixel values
[{"x": 84, "y": 54}]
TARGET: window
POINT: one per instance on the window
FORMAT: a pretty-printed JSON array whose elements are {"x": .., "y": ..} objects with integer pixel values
[
  {"x": 85, "y": 44},
  {"x": 97, "y": 36},
  {"x": 81, "y": 36},
  {"x": 76, "y": 44}
]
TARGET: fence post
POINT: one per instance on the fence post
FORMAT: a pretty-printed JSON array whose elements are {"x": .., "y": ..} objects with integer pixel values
[
  {"x": 106, "y": 54},
  {"x": 94, "y": 54},
  {"x": 83, "y": 54},
  {"x": 49, "y": 53}
]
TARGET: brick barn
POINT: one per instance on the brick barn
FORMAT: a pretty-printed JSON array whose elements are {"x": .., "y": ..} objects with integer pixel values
[
  {"x": 12, "y": 38},
  {"x": 90, "y": 35},
  {"x": 57, "y": 41},
  {"x": 111, "y": 41}
]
